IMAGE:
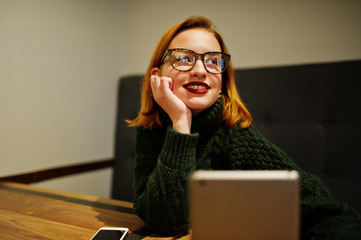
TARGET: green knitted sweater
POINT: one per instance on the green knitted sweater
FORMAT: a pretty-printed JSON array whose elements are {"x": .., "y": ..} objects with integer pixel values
[{"x": 165, "y": 159}]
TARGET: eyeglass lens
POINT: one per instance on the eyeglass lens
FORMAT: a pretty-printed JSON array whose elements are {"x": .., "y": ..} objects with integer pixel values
[{"x": 184, "y": 60}]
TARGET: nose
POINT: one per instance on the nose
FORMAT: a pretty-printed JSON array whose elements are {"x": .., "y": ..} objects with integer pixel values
[{"x": 199, "y": 69}]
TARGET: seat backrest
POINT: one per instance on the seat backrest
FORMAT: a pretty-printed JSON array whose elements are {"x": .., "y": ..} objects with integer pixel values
[
  {"x": 310, "y": 111},
  {"x": 127, "y": 108},
  {"x": 313, "y": 113}
]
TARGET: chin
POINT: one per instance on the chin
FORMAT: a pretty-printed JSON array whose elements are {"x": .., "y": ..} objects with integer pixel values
[
  {"x": 199, "y": 107},
  {"x": 198, "y": 104}
]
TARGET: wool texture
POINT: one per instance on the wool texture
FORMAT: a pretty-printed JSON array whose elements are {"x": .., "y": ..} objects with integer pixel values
[{"x": 165, "y": 159}]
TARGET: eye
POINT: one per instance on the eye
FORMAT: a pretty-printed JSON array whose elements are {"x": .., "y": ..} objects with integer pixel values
[
  {"x": 183, "y": 59},
  {"x": 213, "y": 61}
]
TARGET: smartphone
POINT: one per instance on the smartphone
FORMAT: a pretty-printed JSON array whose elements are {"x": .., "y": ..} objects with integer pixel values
[{"x": 110, "y": 233}]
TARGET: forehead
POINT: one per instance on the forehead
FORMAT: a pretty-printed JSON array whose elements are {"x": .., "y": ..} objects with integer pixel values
[{"x": 196, "y": 39}]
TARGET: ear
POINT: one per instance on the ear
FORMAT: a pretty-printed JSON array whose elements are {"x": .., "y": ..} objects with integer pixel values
[{"x": 156, "y": 71}]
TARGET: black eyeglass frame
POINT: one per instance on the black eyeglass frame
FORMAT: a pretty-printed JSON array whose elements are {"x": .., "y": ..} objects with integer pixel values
[{"x": 226, "y": 57}]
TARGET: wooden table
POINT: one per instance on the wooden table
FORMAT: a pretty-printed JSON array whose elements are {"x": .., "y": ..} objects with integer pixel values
[{"x": 28, "y": 212}]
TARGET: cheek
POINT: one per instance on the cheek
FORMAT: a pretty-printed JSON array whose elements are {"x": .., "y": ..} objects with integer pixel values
[
  {"x": 219, "y": 83},
  {"x": 177, "y": 87},
  {"x": 178, "y": 80}
]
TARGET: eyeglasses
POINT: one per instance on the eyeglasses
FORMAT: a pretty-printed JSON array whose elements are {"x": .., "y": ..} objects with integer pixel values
[{"x": 184, "y": 60}]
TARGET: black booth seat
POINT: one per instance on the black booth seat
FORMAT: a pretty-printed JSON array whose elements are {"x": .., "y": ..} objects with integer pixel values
[{"x": 310, "y": 111}]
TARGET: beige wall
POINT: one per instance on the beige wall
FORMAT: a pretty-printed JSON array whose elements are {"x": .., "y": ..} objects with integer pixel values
[
  {"x": 60, "y": 62},
  {"x": 257, "y": 32}
]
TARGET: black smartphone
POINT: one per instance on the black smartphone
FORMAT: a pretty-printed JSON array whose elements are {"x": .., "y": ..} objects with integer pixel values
[{"x": 110, "y": 233}]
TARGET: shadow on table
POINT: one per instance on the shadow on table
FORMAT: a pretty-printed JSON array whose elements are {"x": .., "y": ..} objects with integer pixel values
[{"x": 103, "y": 209}]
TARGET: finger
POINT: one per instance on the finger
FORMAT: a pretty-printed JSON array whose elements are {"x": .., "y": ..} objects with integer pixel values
[
  {"x": 171, "y": 84},
  {"x": 154, "y": 84},
  {"x": 166, "y": 84}
]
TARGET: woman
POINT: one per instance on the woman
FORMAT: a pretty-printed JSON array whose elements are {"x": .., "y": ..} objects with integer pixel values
[{"x": 192, "y": 118}]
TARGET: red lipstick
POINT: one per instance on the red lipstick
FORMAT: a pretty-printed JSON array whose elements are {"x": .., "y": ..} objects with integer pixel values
[{"x": 197, "y": 87}]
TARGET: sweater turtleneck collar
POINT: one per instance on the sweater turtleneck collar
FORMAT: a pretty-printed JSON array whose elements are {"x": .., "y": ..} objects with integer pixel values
[{"x": 210, "y": 119}]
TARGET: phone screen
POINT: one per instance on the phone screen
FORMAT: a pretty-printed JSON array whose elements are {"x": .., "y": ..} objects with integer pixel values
[{"x": 113, "y": 234}]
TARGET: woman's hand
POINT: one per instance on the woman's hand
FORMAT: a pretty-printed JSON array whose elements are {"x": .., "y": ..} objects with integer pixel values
[{"x": 178, "y": 112}]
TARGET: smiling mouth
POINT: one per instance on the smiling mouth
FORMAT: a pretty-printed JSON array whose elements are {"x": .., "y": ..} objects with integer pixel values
[{"x": 197, "y": 87}]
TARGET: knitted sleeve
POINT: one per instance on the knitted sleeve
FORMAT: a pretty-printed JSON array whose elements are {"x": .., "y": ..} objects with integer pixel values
[
  {"x": 162, "y": 170},
  {"x": 322, "y": 215}
]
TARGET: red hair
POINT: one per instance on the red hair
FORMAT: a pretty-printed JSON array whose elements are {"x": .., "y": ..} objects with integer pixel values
[{"x": 234, "y": 110}]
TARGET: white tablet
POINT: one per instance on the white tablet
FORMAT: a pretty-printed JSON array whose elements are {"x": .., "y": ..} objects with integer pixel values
[{"x": 245, "y": 205}]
